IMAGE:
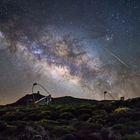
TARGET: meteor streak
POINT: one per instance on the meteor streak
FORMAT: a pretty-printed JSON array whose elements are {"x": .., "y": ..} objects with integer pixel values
[{"x": 116, "y": 57}]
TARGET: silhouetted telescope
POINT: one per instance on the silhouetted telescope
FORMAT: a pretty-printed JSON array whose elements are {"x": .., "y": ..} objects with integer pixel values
[
  {"x": 105, "y": 92},
  {"x": 37, "y": 84}
]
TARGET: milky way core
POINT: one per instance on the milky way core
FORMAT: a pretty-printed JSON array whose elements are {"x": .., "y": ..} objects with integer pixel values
[{"x": 72, "y": 48}]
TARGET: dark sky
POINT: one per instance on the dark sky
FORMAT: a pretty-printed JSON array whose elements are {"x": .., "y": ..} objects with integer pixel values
[{"x": 73, "y": 47}]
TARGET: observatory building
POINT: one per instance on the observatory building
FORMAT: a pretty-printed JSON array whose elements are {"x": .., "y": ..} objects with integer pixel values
[{"x": 45, "y": 100}]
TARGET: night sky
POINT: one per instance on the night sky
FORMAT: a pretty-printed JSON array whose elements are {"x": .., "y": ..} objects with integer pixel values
[{"x": 77, "y": 48}]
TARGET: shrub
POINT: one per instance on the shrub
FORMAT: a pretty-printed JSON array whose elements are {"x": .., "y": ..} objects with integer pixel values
[
  {"x": 20, "y": 126},
  {"x": 105, "y": 106},
  {"x": 46, "y": 114},
  {"x": 87, "y": 126},
  {"x": 98, "y": 116},
  {"x": 48, "y": 124},
  {"x": 128, "y": 129},
  {"x": 117, "y": 127},
  {"x": 131, "y": 137},
  {"x": 54, "y": 115},
  {"x": 122, "y": 110},
  {"x": 67, "y": 109},
  {"x": 82, "y": 111},
  {"x": 43, "y": 123},
  {"x": 33, "y": 117},
  {"x": 61, "y": 130},
  {"x": 66, "y": 116},
  {"x": 9, "y": 116},
  {"x": 3, "y": 126},
  {"x": 11, "y": 129},
  {"x": 84, "y": 117}
]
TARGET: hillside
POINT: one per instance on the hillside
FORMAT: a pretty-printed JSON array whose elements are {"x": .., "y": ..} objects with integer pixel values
[
  {"x": 25, "y": 100},
  {"x": 68, "y": 118}
]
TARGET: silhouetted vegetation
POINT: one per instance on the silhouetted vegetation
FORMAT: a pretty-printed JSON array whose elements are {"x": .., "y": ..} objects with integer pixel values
[{"x": 72, "y": 119}]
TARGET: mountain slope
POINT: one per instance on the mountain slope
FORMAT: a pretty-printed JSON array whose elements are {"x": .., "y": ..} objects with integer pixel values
[{"x": 68, "y": 118}]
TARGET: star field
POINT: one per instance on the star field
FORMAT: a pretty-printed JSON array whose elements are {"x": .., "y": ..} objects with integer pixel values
[{"x": 77, "y": 48}]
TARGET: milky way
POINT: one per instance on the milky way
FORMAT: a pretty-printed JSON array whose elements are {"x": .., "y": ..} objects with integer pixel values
[{"x": 72, "y": 48}]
